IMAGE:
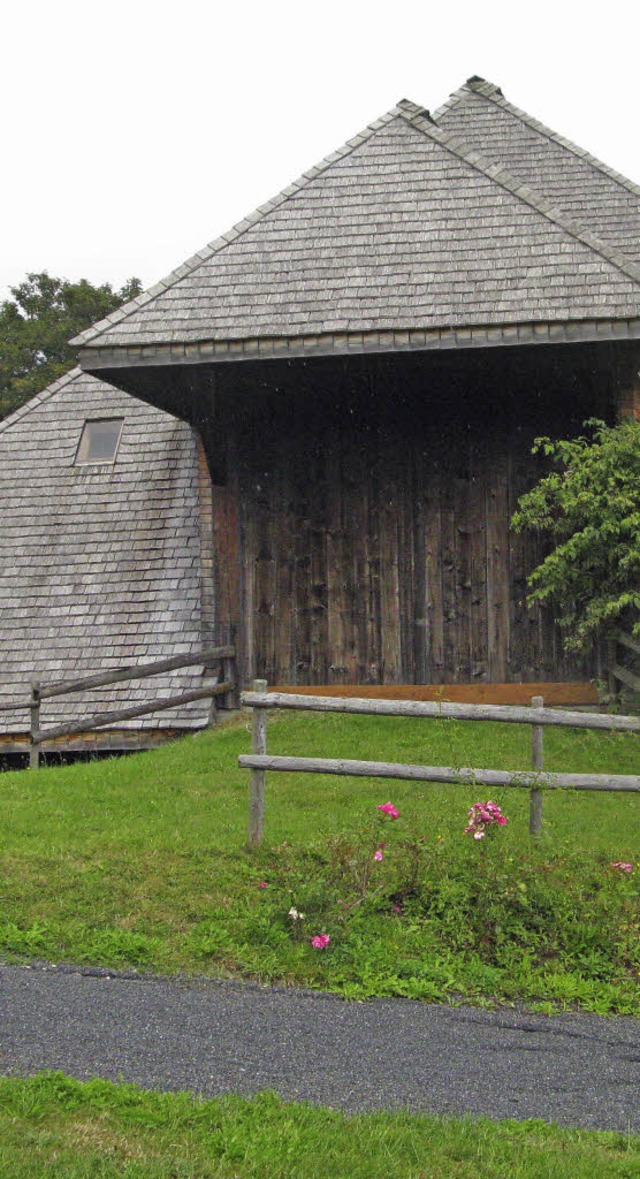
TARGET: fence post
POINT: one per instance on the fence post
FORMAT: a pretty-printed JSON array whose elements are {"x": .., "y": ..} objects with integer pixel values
[
  {"x": 256, "y": 786},
  {"x": 230, "y": 675},
  {"x": 613, "y": 687},
  {"x": 537, "y": 761},
  {"x": 34, "y": 709}
]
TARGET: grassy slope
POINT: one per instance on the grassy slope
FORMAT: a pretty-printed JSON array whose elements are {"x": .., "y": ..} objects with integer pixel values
[
  {"x": 51, "y": 1125},
  {"x": 141, "y": 861}
]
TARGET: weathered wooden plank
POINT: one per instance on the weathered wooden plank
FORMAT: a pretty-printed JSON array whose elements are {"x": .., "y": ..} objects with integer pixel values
[
  {"x": 620, "y": 783},
  {"x": 87, "y": 724},
  {"x": 285, "y": 603},
  {"x": 34, "y": 709},
  {"x": 265, "y": 575},
  {"x": 227, "y": 579},
  {"x": 433, "y": 573},
  {"x": 417, "y": 665},
  {"x": 448, "y": 575},
  {"x": 250, "y": 596},
  {"x": 336, "y": 555},
  {"x": 462, "y": 559},
  {"x": 477, "y": 522},
  {"x": 628, "y": 641},
  {"x": 389, "y": 510},
  {"x": 474, "y": 693},
  {"x": 497, "y": 564},
  {"x": 139, "y": 671},
  {"x": 626, "y": 677},
  {"x": 479, "y": 712},
  {"x": 405, "y": 483},
  {"x": 318, "y": 569}
]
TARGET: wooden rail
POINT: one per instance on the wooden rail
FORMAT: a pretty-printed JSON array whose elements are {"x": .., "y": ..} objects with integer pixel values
[
  {"x": 616, "y": 671},
  {"x": 535, "y": 780},
  {"x": 225, "y": 655},
  {"x": 136, "y": 672},
  {"x": 510, "y": 713}
]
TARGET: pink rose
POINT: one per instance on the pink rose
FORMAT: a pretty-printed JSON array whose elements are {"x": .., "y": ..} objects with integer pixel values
[
  {"x": 262, "y": 884},
  {"x": 378, "y": 855},
  {"x": 320, "y": 941},
  {"x": 388, "y": 808}
]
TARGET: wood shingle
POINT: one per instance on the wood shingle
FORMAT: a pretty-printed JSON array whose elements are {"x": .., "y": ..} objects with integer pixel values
[{"x": 480, "y": 222}]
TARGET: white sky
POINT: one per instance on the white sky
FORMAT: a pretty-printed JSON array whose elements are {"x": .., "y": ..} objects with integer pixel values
[{"x": 134, "y": 132}]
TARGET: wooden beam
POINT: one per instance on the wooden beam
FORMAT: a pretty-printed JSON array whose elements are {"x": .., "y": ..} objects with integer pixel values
[
  {"x": 420, "y": 708},
  {"x": 628, "y": 641},
  {"x": 135, "y": 672},
  {"x": 625, "y": 676},
  {"x": 554, "y": 693},
  {"x": 86, "y": 724},
  {"x": 625, "y": 783}
]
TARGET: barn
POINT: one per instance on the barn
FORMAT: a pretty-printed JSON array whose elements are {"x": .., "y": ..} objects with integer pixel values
[
  {"x": 365, "y": 362},
  {"x": 105, "y": 563}
]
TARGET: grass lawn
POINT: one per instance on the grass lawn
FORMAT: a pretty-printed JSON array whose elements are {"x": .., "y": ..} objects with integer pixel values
[
  {"x": 53, "y": 1126},
  {"x": 142, "y": 861}
]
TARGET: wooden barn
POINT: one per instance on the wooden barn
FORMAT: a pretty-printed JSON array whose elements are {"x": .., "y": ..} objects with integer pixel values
[
  {"x": 366, "y": 361},
  {"x": 105, "y": 560}
]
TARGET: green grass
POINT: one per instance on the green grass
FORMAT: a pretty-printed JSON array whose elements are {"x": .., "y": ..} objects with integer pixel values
[
  {"x": 141, "y": 861},
  {"x": 52, "y": 1126}
]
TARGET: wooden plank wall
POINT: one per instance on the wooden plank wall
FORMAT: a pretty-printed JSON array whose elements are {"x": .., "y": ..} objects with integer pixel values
[{"x": 363, "y": 532}]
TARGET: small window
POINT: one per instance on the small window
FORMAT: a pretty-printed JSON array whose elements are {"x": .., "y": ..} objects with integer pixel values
[{"x": 99, "y": 440}]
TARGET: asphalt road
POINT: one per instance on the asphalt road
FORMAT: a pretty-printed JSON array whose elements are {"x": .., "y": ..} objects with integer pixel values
[{"x": 214, "y": 1037}]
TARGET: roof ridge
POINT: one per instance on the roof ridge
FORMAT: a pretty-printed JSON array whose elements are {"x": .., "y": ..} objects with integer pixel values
[
  {"x": 495, "y": 172},
  {"x": 42, "y": 396},
  {"x": 246, "y": 223},
  {"x": 475, "y": 83},
  {"x": 494, "y": 94}
]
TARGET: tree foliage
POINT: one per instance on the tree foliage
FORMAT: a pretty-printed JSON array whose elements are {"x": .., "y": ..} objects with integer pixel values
[
  {"x": 590, "y": 507},
  {"x": 36, "y": 325}
]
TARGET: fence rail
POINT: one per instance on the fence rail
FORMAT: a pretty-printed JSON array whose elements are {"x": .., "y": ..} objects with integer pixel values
[
  {"x": 618, "y": 672},
  {"x": 535, "y": 780},
  {"x": 226, "y": 688}
]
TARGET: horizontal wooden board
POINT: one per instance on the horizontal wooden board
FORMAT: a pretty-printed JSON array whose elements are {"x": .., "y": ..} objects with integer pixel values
[
  {"x": 382, "y": 769},
  {"x": 482, "y": 693}
]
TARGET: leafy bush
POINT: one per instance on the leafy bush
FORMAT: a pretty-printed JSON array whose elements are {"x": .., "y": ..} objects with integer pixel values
[{"x": 590, "y": 507}]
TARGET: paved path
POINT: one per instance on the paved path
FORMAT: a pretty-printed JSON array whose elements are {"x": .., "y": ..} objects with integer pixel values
[{"x": 214, "y": 1037}]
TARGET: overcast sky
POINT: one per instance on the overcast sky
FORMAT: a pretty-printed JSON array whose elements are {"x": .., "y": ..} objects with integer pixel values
[{"x": 135, "y": 132}]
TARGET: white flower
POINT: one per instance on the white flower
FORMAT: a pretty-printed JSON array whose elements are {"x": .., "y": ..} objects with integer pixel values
[{"x": 295, "y": 915}]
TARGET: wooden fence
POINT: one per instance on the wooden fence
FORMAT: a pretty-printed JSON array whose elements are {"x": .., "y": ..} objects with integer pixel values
[
  {"x": 624, "y": 670},
  {"x": 259, "y": 762},
  {"x": 225, "y": 688}
]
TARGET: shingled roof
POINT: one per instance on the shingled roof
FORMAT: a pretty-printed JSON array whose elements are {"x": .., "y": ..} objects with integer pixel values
[
  {"x": 411, "y": 235},
  {"x": 101, "y": 563},
  {"x": 578, "y": 184}
]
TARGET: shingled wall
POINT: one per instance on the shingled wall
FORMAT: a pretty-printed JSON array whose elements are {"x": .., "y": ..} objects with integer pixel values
[{"x": 101, "y": 564}]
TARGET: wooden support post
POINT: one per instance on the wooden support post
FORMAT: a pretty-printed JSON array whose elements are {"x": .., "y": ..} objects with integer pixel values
[
  {"x": 537, "y": 762},
  {"x": 613, "y": 687},
  {"x": 230, "y": 675},
  {"x": 257, "y": 784},
  {"x": 34, "y": 709}
]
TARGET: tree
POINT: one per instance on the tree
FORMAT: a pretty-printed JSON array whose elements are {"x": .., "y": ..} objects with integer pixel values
[
  {"x": 590, "y": 507},
  {"x": 37, "y": 324}
]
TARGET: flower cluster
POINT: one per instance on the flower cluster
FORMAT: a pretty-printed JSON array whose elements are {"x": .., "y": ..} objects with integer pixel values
[
  {"x": 388, "y": 808},
  {"x": 621, "y": 865},
  {"x": 483, "y": 815}
]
